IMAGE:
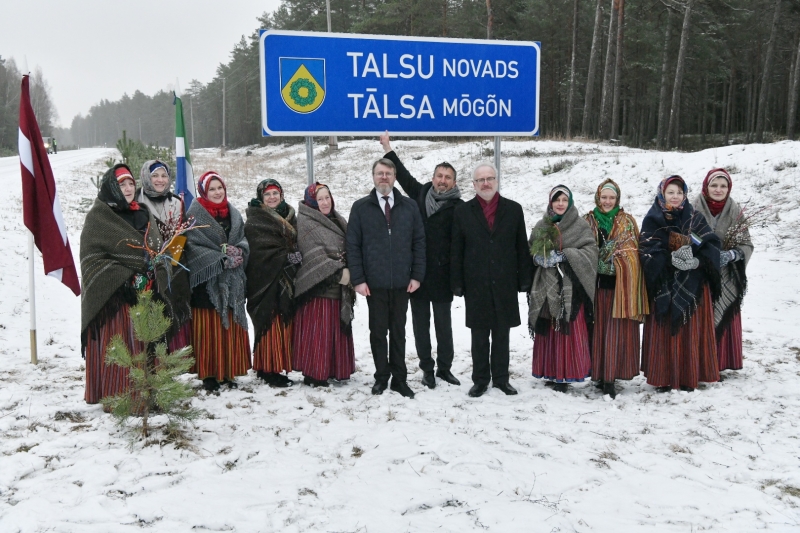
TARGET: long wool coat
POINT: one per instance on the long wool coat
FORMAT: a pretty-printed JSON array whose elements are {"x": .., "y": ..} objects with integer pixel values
[{"x": 490, "y": 266}]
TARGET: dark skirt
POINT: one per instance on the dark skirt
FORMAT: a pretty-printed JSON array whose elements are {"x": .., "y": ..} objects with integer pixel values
[
  {"x": 104, "y": 380},
  {"x": 563, "y": 358},
  {"x": 615, "y": 342},
  {"x": 684, "y": 359},
  {"x": 218, "y": 352},
  {"x": 274, "y": 351},
  {"x": 322, "y": 350},
  {"x": 729, "y": 345}
]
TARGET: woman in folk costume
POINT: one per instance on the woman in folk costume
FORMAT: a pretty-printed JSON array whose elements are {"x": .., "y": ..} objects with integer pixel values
[
  {"x": 216, "y": 257},
  {"x": 722, "y": 213},
  {"x": 323, "y": 338},
  {"x": 271, "y": 230},
  {"x": 168, "y": 210},
  {"x": 565, "y": 260},
  {"x": 116, "y": 267},
  {"x": 620, "y": 301},
  {"x": 680, "y": 259}
]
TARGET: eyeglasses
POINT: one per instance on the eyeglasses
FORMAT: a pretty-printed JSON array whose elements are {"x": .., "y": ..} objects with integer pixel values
[
  {"x": 481, "y": 181},
  {"x": 384, "y": 174}
]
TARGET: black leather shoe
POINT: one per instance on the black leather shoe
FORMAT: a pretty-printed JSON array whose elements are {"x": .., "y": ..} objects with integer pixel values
[
  {"x": 447, "y": 376},
  {"x": 663, "y": 389},
  {"x": 311, "y": 382},
  {"x": 211, "y": 384},
  {"x": 506, "y": 388},
  {"x": 599, "y": 384},
  {"x": 478, "y": 390},
  {"x": 379, "y": 387},
  {"x": 282, "y": 380},
  {"x": 428, "y": 380},
  {"x": 608, "y": 388},
  {"x": 561, "y": 387},
  {"x": 402, "y": 388}
]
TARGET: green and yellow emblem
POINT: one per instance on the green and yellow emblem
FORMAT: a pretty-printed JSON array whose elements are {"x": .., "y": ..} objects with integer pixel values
[{"x": 302, "y": 83}]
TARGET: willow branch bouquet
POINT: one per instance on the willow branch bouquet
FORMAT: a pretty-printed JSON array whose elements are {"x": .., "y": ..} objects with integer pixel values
[{"x": 739, "y": 232}]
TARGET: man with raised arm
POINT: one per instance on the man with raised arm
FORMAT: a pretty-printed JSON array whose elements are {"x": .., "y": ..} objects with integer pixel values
[
  {"x": 490, "y": 265},
  {"x": 436, "y": 201},
  {"x": 386, "y": 258}
]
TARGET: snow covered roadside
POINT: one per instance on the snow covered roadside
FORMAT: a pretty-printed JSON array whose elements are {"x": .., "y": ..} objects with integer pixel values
[{"x": 724, "y": 458}]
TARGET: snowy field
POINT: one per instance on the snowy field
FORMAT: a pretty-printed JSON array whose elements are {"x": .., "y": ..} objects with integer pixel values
[{"x": 723, "y": 458}]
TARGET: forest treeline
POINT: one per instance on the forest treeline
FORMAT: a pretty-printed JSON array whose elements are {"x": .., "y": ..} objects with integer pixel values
[
  {"x": 10, "y": 84},
  {"x": 664, "y": 73}
]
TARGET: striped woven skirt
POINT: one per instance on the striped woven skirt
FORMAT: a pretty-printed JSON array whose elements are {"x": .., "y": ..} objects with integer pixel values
[
  {"x": 684, "y": 359},
  {"x": 182, "y": 338},
  {"x": 218, "y": 352},
  {"x": 108, "y": 380},
  {"x": 274, "y": 351},
  {"x": 729, "y": 345},
  {"x": 615, "y": 342},
  {"x": 321, "y": 349},
  {"x": 563, "y": 358}
]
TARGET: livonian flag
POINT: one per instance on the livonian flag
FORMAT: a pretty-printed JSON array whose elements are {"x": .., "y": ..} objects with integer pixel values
[
  {"x": 40, "y": 205},
  {"x": 184, "y": 181}
]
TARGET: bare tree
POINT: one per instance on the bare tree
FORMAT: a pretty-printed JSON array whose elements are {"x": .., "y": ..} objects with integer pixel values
[
  {"x": 587, "y": 102},
  {"x": 675, "y": 108},
  {"x": 662, "y": 100},
  {"x": 731, "y": 100},
  {"x": 618, "y": 69},
  {"x": 571, "y": 94},
  {"x": 489, "y": 19},
  {"x": 605, "y": 98},
  {"x": 792, "y": 116},
  {"x": 762, "y": 97}
]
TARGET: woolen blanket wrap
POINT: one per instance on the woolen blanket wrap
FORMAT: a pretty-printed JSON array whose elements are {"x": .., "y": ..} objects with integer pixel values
[{"x": 226, "y": 287}]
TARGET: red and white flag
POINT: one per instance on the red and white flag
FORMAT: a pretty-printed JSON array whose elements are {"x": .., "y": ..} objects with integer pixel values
[{"x": 40, "y": 205}]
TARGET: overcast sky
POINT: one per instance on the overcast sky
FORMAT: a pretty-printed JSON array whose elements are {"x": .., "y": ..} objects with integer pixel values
[{"x": 94, "y": 49}]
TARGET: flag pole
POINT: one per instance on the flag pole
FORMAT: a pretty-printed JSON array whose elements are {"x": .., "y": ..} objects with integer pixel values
[{"x": 32, "y": 296}]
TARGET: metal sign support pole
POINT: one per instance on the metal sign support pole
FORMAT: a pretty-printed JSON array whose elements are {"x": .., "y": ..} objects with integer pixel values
[
  {"x": 310, "y": 159},
  {"x": 32, "y": 297},
  {"x": 497, "y": 159}
]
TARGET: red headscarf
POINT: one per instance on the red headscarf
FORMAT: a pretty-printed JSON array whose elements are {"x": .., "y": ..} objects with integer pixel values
[
  {"x": 219, "y": 210},
  {"x": 713, "y": 205},
  {"x": 124, "y": 173}
]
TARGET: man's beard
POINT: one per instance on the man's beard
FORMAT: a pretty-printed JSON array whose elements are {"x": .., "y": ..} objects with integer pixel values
[{"x": 383, "y": 188}]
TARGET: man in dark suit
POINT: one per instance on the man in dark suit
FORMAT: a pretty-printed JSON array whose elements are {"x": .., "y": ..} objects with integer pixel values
[
  {"x": 386, "y": 258},
  {"x": 490, "y": 265},
  {"x": 436, "y": 201}
]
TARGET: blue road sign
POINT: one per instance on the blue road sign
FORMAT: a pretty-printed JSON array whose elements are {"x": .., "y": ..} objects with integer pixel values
[{"x": 345, "y": 84}]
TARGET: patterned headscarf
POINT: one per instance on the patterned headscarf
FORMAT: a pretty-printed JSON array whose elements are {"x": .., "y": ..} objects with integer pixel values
[
  {"x": 283, "y": 207},
  {"x": 146, "y": 178},
  {"x": 563, "y": 189},
  {"x": 662, "y": 187},
  {"x": 713, "y": 205},
  {"x": 310, "y": 196},
  {"x": 205, "y": 181},
  {"x": 606, "y": 220}
]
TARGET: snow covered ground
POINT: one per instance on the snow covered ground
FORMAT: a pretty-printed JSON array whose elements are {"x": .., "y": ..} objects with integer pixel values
[{"x": 723, "y": 458}]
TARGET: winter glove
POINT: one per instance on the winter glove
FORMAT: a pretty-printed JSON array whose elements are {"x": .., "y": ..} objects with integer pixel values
[
  {"x": 233, "y": 261},
  {"x": 539, "y": 260},
  {"x": 295, "y": 258},
  {"x": 729, "y": 256},
  {"x": 233, "y": 251},
  {"x": 345, "y": 277},
  {"x": 682, "y": 258},
  {"x": 557, "y": 256}
]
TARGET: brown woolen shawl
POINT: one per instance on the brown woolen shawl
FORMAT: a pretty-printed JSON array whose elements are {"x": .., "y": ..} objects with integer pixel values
[
  {"x": 270, "y": 275},
  {"x": 321, "y": 240},
  {"x": 549, "y": 287},
  {"x": 733, "y": 276}
]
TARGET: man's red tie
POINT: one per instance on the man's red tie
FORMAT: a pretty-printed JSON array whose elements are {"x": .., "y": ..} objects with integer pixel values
[{"x": 387, "y": 210}]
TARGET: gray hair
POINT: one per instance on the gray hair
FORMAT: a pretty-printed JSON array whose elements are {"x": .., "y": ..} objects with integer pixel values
[{"x": 484, "y": 165}]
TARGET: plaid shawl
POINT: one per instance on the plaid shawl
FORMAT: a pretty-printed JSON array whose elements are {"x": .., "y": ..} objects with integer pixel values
[
  {"x": 733, "y": 276},
  {"x": 630, "y": 292},
  {"x": 205, "y": 261},
  {"x": 549, "y": 286},
  {"x": 322, "y": 244},
  {"x": 270, "y": 275},
  {"x": 676, "y": 293}
]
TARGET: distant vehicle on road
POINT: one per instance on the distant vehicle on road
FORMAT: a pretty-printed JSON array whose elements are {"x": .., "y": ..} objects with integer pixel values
[{"x": 48, "y": 144}]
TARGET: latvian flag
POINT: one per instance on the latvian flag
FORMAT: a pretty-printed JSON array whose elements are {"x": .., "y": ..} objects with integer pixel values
[
  {"x": 40, "y": 205},
  {"x": 184, "y": 183}
]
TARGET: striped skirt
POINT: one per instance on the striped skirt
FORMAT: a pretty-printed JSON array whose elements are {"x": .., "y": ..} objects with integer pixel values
[
  {"x": 729, "y": 345},
  {"x": 615, "y": 342},
  {"x": 321, "y": 349},
  {"x": 274, "y": 351},
  {"x": 104, "y": 380},
  {"x": 684, "y": 359},
  {"x": 218, "y": 352},
  {"x": 182, "y": 338},
  {"x": 563, "y": 358}
]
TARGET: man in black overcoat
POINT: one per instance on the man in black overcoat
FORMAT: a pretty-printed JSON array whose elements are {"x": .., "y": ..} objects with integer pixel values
[
  {"x": 490, "y": 264},
  {"x": 386, "y": 258},
  {"x": 437, "y": 201}
]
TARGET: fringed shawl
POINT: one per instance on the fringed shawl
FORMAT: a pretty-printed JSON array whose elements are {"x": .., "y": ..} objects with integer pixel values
[
  {"x": 733, "y": 275},
  {"x": 676, "y": 293},
  {"x": 270, "y": 275},
  {"x": 630, "y": 291},
  {"x": 322, "y": 244},
  {"x": 226, "y": 287},
  {"x": 550, "y": 287}
]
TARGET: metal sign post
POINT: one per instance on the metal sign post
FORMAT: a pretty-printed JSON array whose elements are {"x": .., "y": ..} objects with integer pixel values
[{"x": 310, "y": 159}]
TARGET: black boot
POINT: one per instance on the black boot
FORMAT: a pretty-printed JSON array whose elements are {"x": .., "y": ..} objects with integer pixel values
[
  {"x": 600, "y": 384},
  {"x": 428, "y": 379},
  {"x": 608, "y": 388},
  {"x": 561, "y": 387},
  {"x": 663, "y": 389},
  {"x": 230, "y": 384},
  {"x": 211, "y": 384}
]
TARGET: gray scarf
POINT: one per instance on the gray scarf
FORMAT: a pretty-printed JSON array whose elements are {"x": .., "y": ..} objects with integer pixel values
[
  {"x": 147, "y": 181},
  {"x": 434, "y": 200},
  {"x": 204, "y": 259}
]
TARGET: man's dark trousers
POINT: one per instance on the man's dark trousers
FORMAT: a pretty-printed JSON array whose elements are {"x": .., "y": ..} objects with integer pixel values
[
  {"x": 421, "y": 318},
  {"x": 482, "y": 370},
  {"x": 387, "y": 313}
]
